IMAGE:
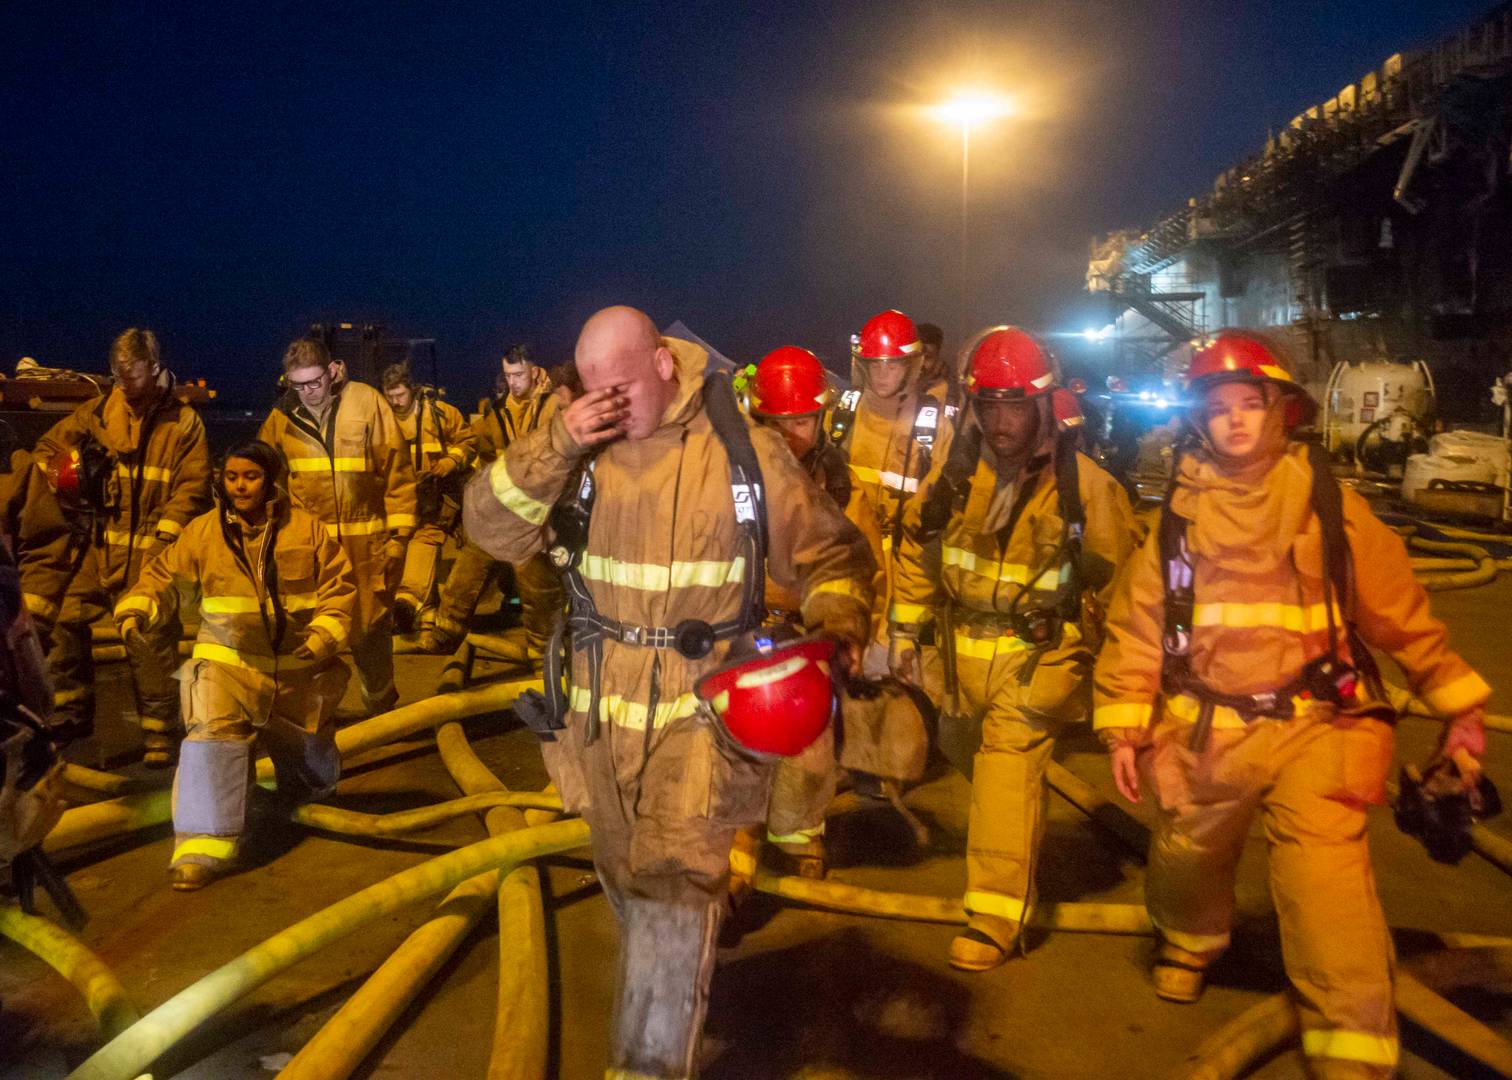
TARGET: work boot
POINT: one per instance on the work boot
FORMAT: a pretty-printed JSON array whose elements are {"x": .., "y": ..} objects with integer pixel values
[
  {"x": 189, "y": 876},
  {"x": 805, "y": 858},
  {"x": 404, "y": 614},
  {"x": 439, "y": 642},
  {"x": 976, "y": 950},
  {"x": 159, "y": 744},
  {"x": 1180, "y": 975}
]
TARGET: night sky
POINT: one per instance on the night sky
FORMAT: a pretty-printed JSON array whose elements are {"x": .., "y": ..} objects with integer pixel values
[{"x": 228, "y": 173}]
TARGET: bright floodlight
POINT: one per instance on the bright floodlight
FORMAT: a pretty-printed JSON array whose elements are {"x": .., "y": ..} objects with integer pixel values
[{"x": 969, "y": 110}]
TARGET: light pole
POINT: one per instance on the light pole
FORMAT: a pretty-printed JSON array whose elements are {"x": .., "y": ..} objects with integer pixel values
[{"x": 969, "y": 110}]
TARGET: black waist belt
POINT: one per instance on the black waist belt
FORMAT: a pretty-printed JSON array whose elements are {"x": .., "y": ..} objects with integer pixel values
[{"x": 691, "y": 638}]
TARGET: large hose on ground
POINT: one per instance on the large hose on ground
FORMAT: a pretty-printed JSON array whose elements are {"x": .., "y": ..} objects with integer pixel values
[
  {"x": 102, "y": 820},
  {"x": 399, "y": 822},
  {"x": 1260, "y": 1032},
  {"x": 76, "y": 962},
  {"x": 106, "y": 783},
  {"x": 522, "y": 1016},
  {"x": 1485, "y": 569},
  {"x": 855, "y": 900},
  {"x": 130, "y": 1053},
  {"x": 1405, "y": 703}
]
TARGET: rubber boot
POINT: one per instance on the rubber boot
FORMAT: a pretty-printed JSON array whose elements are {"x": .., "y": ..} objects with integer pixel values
[{"x": 666, "y": 965}]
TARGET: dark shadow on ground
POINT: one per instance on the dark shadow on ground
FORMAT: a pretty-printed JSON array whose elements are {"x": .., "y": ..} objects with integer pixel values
[{"x": 835, "y": 1002}]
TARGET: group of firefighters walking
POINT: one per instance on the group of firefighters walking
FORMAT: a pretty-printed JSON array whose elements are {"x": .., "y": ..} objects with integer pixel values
[{"x": 741, "y": 605}]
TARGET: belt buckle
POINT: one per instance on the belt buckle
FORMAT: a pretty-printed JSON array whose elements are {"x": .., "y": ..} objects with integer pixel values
[{"x": 633, "y": 635}]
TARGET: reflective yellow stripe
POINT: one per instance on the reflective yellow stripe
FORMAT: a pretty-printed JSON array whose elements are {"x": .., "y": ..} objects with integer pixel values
[
  {"x": 987, "y": 648},
  {"x": 616, "y": 709},
  {"x": 650, "y": 577},
  {"x": 430, "y": 448},
  {"x": 331, "y": 625},
  {"x": 248, "y": 605},
  {"x": 911, "y": 613},
  {"x": 1013, "y": 573},
  {"x": 1292, "y": 617},
  {"x": 39, "y": 606},
  {"x": 169, "y": 528},
  {"x": 156, "y": 473},
  {"x": 1123, "y": 715},
  {"x": 324, "y": 464},
  {"x": 531, "y": 510},
  {"x": 742, "y": 863},
  {"x": 68, "y": 697},
  {"x": 1455, "y": 697},
  {"x": 1196, "y": 943},
  {"x": 137, "y": 604},
  {"x": 224, "y": 654},
  {"x": 989, "y": 903},
  {"x": 457, "y": 452},
  {"x": 359, "y": 528},
  {"x": 215, "y": 847},
  {"x": 119, "y": 537},
  {"x": 837, "y": 587},
  {"x": 401, "y": 521},
  {"x": 802, "y": 836},
  {"x": 1350, "y": 1046},
  {"x": 896, "y": 482}
]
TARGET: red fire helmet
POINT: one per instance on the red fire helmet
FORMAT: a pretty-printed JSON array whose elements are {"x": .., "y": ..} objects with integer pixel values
[
  {"x": 1241, "y": 356},
  {"x": 789, "y": 382},
  {"x": 1008, "y": 365},
  {"x": 65, "y": 472},
  {"x": 773, "y": 696},
  {"x": 891, "y": 335},
  {"x": 1067, "y": 409}
]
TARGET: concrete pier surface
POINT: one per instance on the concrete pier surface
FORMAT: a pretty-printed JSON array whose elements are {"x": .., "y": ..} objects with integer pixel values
[{"x": 800, "y": 993}]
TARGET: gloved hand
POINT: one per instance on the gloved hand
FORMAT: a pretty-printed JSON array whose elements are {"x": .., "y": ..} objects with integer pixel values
[
  {"x": 903, "y": 659},
  {"x": 1123, "y": 751},
  {"x": 443, "y": 466},
  {"x": 315, "y": 646},
  {"x": 131, "y": 634}
]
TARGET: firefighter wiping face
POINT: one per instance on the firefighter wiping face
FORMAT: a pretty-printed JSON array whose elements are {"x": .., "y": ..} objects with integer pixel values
[{"x": 620, "y": 356}]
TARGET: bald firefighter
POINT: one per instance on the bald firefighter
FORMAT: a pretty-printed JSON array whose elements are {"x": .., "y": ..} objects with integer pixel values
[
  {"x": 349, "y": 467},
  {"x": 1237, "y": 680},
  {"x": 276, "y": 595},
  {"x": 524, "y": 402},
  {"x": 666, "y": 503},
  {"x": 131, "y": 470},
  {"x": 441, "y": 448},
  {"x": 1008, "y": 557}
]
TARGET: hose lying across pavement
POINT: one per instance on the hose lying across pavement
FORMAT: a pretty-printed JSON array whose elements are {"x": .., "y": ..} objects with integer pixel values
[{"x": 76, "y": 962}]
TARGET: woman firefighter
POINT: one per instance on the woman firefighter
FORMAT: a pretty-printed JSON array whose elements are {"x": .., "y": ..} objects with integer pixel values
[
  {"x": 277, "y": 596},
  {"x": 1236, "y": 679}
]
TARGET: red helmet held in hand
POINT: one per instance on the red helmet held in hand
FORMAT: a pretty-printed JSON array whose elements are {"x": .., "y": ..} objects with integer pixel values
[
  {"x": 891, "y": 335},
  {"x": 774, "y": 696},
  {"x": 1243, "y": 356},
  {"x": 789, "y": 382},
  {"x": 1009, "y": 365}
]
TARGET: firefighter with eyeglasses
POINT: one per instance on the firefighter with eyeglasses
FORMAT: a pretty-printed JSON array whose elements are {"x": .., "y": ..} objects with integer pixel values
[
  {"x": 1007, "y": 560},
  {"x": 1237, "y": 680}
]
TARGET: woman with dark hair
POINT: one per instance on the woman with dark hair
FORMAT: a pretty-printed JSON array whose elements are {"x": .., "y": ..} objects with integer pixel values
[{"x": 276, "y": 596}]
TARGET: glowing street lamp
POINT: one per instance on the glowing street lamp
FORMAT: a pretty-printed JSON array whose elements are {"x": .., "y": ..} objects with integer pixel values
[{"x": 967, "y": 110}]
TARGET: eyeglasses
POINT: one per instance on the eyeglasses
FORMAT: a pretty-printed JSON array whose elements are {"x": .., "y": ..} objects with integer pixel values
[{"x": 313, "y": 384}]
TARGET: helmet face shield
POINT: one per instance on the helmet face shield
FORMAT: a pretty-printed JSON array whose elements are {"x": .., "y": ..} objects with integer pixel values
[{"x": 887, "y": 377}]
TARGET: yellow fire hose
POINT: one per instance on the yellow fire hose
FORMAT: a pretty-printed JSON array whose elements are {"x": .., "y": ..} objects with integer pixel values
[
  {"x": 130, "y": 1053},
  {"x": 1263, "y": 1030},
  {"x": 399, "y": 822},
  {"x": 76, "y": 962},
  {"x": 101, "y": 820},
  {"x": 106, "y": 783},
  {"x": 522, "y": 1014},
  {"x": 1485, "y": 566},
  {"x": 340, "y": 1046},
  {"x": 1405, "y": 703}
]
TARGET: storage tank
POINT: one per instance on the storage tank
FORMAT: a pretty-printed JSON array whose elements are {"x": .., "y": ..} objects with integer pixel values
[{"x": 1392, "y": 401}]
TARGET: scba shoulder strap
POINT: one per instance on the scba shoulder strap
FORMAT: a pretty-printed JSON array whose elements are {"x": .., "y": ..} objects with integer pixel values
[
  {"x": 1330, "y": 677},
  {"x": 691, "y": 638}
]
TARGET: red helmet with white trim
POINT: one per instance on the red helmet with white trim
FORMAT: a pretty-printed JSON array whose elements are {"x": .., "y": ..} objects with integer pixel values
[
  {"x": 789, "y": 382},
  {"x": 1244, "y": 356},
  {"x": 1009, "y": 365},
  {"x": 891, "y": 335},
  {"x": 1067, "y": 409},
  {"x": 774, "y": 696}
]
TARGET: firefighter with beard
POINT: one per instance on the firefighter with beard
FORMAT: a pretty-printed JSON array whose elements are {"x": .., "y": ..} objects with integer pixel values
[
  {"x": 276, "y": 595},
  {"x": 1237, "y": 679},
  {"x": 1008, "y": 555},
  {"x": 131, "y": 469},
  {"x": 441, "y": 448},
  {"x": 348, "y": 466},
  {"x": 633, "y": 746},
  {"x": 524, "y": 402}
]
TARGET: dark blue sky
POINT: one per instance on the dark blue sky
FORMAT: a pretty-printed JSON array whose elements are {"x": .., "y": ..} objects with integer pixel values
[{"x": 229, "y": 172}]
